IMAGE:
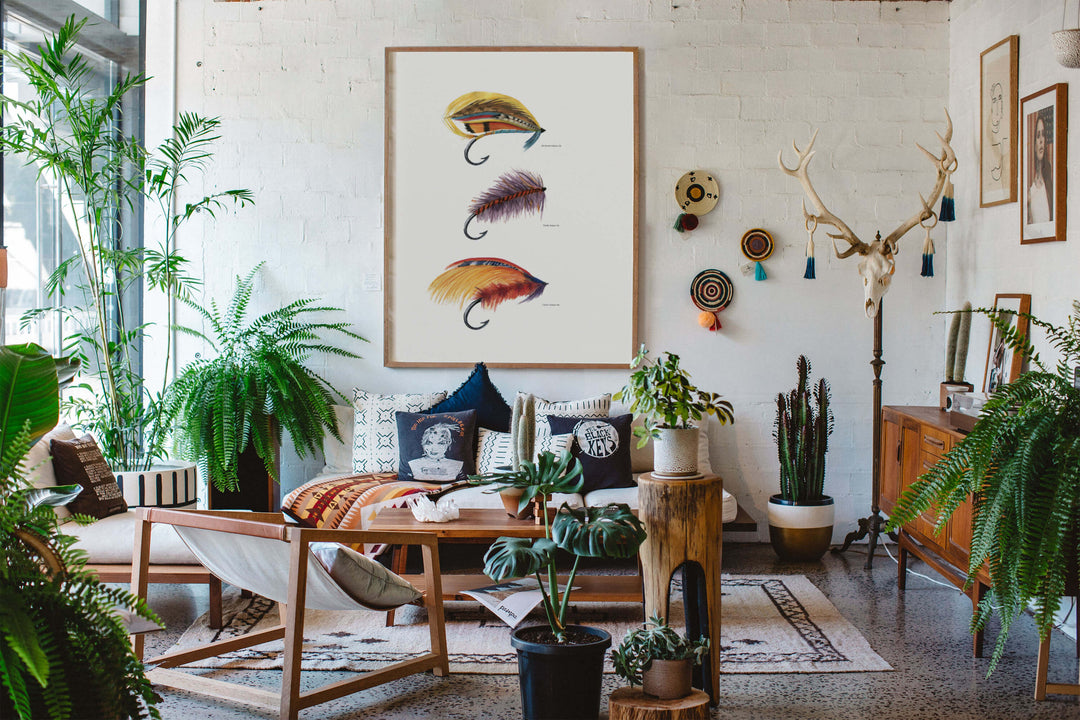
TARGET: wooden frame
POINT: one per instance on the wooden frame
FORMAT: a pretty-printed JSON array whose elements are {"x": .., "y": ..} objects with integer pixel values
[
  {"x": 1042, "y": 207},
  {"x": 271, "y": 526},
  {"x": 1003, "y": 365},
  {"x": 998, "y": 72},
  {"x": 557, "y": 125}
]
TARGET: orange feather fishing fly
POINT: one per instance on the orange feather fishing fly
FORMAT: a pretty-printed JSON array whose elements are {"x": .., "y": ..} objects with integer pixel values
[{"x": 486, "y": 282}]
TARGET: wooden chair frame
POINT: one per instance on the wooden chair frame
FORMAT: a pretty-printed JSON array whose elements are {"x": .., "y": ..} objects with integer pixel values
[{"x": 273, "y": 526}]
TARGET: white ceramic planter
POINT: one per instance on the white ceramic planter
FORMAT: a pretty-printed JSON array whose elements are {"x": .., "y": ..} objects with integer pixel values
[
  {"x": 675, "y": 453},
  {"x": 162, "y": 485},
  {"x": 800, "y": 533},
  {"x": 1067, "y": 47}
]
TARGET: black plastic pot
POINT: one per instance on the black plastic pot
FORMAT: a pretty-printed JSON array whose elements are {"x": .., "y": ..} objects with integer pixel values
[{"x": 561, "y": 682}]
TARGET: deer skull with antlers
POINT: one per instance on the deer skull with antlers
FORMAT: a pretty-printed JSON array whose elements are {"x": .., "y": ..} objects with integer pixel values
[{"x": 878, "y": 264}]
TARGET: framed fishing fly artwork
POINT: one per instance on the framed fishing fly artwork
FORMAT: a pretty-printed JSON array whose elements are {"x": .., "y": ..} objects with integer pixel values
[{"x": 511, "y": 206}]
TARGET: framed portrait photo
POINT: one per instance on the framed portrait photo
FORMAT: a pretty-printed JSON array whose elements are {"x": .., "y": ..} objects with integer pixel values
[
  {"x": 998, "y": 71},
  {"x": 1044, "y": 121},
  {"x": 1003, "y": 365},
  {"x": 511, "y": 206}
]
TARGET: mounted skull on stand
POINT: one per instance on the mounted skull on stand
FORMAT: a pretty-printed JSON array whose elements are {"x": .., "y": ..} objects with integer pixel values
[
  {"x": 876, "y": 268},
  {"x": 878, "y": 264}
]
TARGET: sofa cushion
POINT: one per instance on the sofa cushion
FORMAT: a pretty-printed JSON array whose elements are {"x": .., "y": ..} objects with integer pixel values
[
  {"x": 111, "y": 541},
  {"x": 339, "y": 453},
  {"x": 479, "y": 394},
  {"x": 603, "y": 447},
  {"x": 326, "y": 501},
  {"x": 80, "y": 462},
  {"x": 437, "y": 447},
  {"x": 375, "y": 446},
  {"x": 630, "y": 496},
  {"x": 597, "y": 406},
  {"x": 37, "y": 464},
  {"x": 364, "y": 580},
  {"x": 495, "y": 449},
  {"x": 481, "y": 497}
]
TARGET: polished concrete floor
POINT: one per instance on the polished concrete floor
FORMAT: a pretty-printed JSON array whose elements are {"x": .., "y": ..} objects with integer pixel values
[{"x": 922, "y": 633}]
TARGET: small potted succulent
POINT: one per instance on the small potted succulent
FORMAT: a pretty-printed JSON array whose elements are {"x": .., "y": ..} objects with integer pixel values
[
  {"x": 801, "y": 515},
  {"x": 559, "y": 655},
  {"x": 659, "y": 659},
  {"x": 661, "y": 392}
]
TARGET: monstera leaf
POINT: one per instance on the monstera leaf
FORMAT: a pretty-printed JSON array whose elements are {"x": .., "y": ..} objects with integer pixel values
[
  {"x": 611, "y": 531},
  {"x": 29, "y": 392},
  {"x": 517, "y": 557}
]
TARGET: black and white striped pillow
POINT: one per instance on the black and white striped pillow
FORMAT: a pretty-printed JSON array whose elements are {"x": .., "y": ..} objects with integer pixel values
[{"x": 599, "y": 406}]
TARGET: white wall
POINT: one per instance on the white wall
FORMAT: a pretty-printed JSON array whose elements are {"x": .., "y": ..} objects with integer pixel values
[
  {"x": 726, "y": 84},
  {"x": 986, "y": 255}
]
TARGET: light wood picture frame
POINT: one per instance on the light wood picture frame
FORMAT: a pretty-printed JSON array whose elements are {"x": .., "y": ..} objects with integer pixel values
[
  {"x": 511, "y": 206},
  {"x": 1044, "y": 121},
  {"x": 1003, "y": 364},
  {"x": 998, "y": 78}
]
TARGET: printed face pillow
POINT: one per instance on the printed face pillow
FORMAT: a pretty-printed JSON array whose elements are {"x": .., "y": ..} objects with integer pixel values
[
  {"x": 438, "y": 447},
  {"x": 603, "y": 447}
]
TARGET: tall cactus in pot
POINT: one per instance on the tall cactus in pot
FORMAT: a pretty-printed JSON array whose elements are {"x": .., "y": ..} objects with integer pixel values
[{"x": 802, "y": 437}]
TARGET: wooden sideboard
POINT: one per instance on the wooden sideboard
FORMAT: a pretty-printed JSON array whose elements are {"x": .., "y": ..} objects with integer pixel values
[{"x": 913, "y": 440}]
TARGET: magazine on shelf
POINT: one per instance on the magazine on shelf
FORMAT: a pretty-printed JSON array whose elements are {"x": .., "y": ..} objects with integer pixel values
[{"x": 511, "y": 600}]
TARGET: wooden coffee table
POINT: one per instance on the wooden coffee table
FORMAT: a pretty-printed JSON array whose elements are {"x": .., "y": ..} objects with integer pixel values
[{"x": 485, "y": 526}]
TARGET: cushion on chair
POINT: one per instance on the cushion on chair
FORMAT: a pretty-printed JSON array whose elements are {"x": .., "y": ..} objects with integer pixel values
[
  {"x": 37, "y": 464},
  {"x": 375, "y": 447},
  {"x": 495, "y": 449},
  {"x": 603, "y": 447},
  {"x": 598, "y": 406},
  {"x": 437, "y": 447},
  {"x": 479, "y": 394},
  {"x": 80, "y": 462},
  {"x": 365, "y": 580},
  {"x": 111, "y": 540}
]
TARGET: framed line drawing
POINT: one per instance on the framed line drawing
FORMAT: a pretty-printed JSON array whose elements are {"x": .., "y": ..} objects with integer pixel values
[
  {"x": 1044, "y": 119},
  {"x": 511, "y": 206},
  {"x": 1003, "y": 365},
  {"x": 998, "y": 72}
]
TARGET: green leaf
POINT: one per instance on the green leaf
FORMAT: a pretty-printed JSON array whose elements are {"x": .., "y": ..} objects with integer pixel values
[
  {"x": 52, "y": 496},
  {"x": 611, "y": 531},
  {"x": 29, "y": 392},
  {"x": 517, "y": 557}
]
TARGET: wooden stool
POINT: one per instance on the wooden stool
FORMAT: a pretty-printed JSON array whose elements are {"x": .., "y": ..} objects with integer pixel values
[
  {"x": 684, "y": 522},
  {"x": 630, "y": 703}
]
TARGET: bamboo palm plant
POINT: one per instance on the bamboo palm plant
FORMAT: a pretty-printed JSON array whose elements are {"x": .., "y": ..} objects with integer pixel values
[
  {"x": 256, "y": 385},
  {"x": 73, "y": 135},
  {"x": 1021, "y": 463},
  {"x": 802, "y": 434}
]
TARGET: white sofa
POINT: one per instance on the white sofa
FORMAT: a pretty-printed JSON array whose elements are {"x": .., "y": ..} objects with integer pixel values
[{"x": 339, "y": 464}]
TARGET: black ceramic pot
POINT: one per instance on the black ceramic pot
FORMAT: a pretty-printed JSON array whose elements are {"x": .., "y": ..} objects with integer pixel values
[{"x": 561, "y": 682}]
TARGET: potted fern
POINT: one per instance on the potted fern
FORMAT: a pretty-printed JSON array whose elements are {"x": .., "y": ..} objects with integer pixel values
[
  {"x": 801, "y": 515},
  {"x": 659, "y": 659},
  {"x": 661, "y": 392},
  {"x": 559, "y": 655},
  {"x": 1021, "y": 463},
  {"x": 229, "y": 410}
]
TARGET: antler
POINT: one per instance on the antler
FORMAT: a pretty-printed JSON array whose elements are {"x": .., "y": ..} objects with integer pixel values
[
  {"x": 945, "y": 165},
  {"x": 823, "y": 217}
]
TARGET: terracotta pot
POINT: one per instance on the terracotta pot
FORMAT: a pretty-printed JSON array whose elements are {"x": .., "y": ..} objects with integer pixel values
[
  {"x": 511, "y": 499},
  {"x": 800, "y": 533},
  {"x": 667, "y": 679},
  {"x": 675, "y": 453}
]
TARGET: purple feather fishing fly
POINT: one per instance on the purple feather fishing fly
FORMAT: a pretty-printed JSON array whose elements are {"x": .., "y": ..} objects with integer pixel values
[{"x": 515, "y": 193}]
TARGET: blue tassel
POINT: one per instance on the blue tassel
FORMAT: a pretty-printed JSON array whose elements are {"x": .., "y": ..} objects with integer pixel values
[
  {"x": 927, "y": 265},
  {"x": 759, "y": 272},
  {"x": 809, "y": 274},
  {"x": 948, "y": 206}
]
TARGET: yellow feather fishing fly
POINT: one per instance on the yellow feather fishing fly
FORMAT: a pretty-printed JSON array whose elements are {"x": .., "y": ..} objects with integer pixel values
[{"x": 478, "y": 114}]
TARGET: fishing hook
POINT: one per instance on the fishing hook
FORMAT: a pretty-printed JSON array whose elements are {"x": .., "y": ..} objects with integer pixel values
[
  {"x": 465, "y": 317},
  {"x": 466, "y": 229},
  {"x": 468, "y": 147}
]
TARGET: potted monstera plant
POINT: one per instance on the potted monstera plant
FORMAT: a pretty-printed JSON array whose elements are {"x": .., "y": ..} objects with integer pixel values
[
  {"x": 659, "y": 659},
  {"x": 801, "y": 514},
  {"x": 662, "y": 393},
  {"x": 560, "y": 665}
]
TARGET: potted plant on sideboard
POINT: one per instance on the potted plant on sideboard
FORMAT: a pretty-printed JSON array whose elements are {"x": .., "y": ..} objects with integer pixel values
[
  {"x": 71, "y": 134},
  {"x": 560, "y": 666},
  {"x": 661, "y": 392},
  {"x": 1021, "y": 463},
  {"x": 801, "y": 515},
  {"x": 659, "y": 659},
  {"x": 229, "y": 410}
]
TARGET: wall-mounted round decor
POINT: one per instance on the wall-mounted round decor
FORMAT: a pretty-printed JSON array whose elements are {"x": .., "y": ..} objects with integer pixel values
[
  {"x": 757, "y": 245},
  {"x": 696, "y": 193},
  {"x": 711, "y": 291}
]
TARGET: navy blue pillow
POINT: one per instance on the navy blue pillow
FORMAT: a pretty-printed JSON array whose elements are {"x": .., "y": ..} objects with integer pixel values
[
  {"x": 477, "y": 393},
  {"x": 602, "y": 444},
  {"x": 436, "y": 447}
]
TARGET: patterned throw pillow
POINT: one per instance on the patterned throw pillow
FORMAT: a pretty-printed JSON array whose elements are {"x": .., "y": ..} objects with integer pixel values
[
  {"x": 80, "y": 462},
  {"x": 437, "y": 447},
  {"x": 598, "y": 406},
  {"x": 375, "y": 446},
  {"x": 479, "y": 394},
  {"x": 496, "y": 450},
  {"x": 603, "y": 447}
]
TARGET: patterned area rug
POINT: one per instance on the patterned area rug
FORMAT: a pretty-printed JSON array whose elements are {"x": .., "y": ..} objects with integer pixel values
[{"x": 771, "y": 624}]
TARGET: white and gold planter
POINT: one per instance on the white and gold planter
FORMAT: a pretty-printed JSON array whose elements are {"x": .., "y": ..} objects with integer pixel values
[{"x": 800, "y": 533}]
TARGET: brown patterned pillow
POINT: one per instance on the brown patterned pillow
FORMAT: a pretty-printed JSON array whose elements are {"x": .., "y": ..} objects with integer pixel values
[
  {"x": 80, "y": 462},
  {"x": 325, "y": 503}
]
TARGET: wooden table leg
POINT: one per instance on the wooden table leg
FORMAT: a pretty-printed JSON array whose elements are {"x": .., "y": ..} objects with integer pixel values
[
  {"x": 399, "y": 554},
  {"x": 215, "y": 602}
]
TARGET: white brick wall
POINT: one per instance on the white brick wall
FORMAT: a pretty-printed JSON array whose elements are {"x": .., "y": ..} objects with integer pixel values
[{"x": 299, "y": 86}]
